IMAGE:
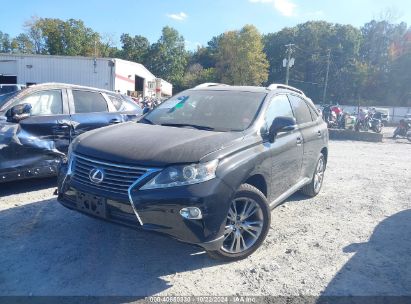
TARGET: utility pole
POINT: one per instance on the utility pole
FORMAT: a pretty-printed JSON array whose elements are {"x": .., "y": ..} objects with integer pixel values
[
  {"x": 95, "y": 48},
  {"x": 289, "y": 52},
  {"x": 326, "y": 74}
]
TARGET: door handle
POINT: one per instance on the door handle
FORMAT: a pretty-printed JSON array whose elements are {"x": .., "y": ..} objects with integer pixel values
[
  {"x": 299, "y": 141},
  {"x": 115, "y": 121}
]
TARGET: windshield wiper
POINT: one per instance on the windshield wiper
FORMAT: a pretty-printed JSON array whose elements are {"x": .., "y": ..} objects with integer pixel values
[{"x": 188, "y": 125}]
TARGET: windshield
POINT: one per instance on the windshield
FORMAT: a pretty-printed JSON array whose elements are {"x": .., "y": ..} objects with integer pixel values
[{"x": 212, "y": 110}]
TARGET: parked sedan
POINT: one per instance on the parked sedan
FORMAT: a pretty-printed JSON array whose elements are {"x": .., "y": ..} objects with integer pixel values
[{"x": 38, "y": 123}]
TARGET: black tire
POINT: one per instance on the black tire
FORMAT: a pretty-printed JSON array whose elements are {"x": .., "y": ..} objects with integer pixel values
[
  {"x": 251, "y": 192},
  {"x": 409, "y": 136},
  {"x": 311, "y": 189}
]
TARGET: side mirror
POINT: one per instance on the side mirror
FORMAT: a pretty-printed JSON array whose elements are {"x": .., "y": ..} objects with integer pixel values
[
  {"x": 19, "y": 112},
  {"x": 281, "y": 124}
]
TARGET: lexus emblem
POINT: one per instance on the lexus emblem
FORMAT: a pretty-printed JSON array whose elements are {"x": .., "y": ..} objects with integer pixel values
[{"x": 96, "y": 175}]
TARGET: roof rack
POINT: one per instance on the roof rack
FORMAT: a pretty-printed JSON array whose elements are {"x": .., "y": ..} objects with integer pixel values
[
  {"x": 275, "y": 86},
  {"x": 210, "y": 84}
]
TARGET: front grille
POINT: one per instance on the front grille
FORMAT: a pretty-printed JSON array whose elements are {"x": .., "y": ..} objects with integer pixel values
[{"x": 117, "y": 177}]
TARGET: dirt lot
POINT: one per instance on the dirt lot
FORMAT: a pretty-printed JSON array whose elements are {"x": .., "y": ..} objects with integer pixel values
[{"x": 353, "y": 239}]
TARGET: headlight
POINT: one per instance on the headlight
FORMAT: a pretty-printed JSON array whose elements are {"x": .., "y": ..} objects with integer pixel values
[{"x": 183, "y": 175}]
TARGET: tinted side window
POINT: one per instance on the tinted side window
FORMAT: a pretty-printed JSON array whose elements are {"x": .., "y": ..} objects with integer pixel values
[
  {"x": 301, "y": 110},
  {"x": 124, "y": 104},
  {"x": 44, "y": 103},
  {"x": 279, "y": 106},
  {"x": 314, "y": 114},
  {"x": 117, "y": 101},
  {"x": 129, "y": 105},
  {"x": 89, "y": 102}
]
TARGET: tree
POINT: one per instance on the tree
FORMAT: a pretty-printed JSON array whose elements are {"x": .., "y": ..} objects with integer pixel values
[
  {"x": 240, "y": 58},
  {"x": 22, "y": 44},
  {"x": 378, "y": 36},
  {"x": 35, "y": 35},
  {"x": 196, "y": 75},
  {"x": 204, "y": 56},
  {"x": 107, "y": 46},
  {"x": 134, "y": 48},
  {"x": 168, "y": 57},
  {"x": 5, "y": 43},
  {"x": 312, "y": 40},
  {"x": 381, "y": 39},
  {"x": 57, "y": 37}
]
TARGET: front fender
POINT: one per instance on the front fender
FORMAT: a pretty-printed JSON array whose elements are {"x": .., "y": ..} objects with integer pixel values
[{"x": 235, "y": 169}]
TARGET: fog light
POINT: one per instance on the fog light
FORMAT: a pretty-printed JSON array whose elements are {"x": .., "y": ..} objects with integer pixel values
[{"x": 191, "y": 213}]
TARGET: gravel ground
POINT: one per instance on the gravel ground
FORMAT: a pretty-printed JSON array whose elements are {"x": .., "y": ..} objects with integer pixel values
[{"x": 352, "y": 239}]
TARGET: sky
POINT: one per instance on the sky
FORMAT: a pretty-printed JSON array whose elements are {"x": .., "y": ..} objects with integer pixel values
[{"x": 197, "y": 20}]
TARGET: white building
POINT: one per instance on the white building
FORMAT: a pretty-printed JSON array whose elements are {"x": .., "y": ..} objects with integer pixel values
[{"x": 105, "y": 73}]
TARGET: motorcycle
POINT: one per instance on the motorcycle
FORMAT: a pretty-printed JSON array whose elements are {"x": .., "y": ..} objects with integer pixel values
[
  {"x": 369, "y": 122},
  {"x": 375, "y": 124},
  {"x": 331, "y": 117},
  {"x": 403, "y": 130},
  {"x": 362, "y": 124}
]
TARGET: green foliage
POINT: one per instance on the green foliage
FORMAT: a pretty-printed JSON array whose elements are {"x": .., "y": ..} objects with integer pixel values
[
  {"x": 196, "y": 75},
  {"x": 312, "y": 39},
  {"x": 240, "y": 58},
  {"x": 388, "y": 77},
  {"x": 57, "y": 37},
  {"x": 5, "y": 44},
  {"x": 134, "y": 48},
  {"x": 168, "y": 57},
  {"x": 203, "y": 56},
  {"x": 368, "y": 65},
  {"x": 22, "y": 44}
]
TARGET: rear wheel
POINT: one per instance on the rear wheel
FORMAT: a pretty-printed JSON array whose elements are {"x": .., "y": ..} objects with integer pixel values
[
  {"x": 378, "y": 128},
  {"x": 247, "y": 224},
  {"x": 313, "y": 188}
]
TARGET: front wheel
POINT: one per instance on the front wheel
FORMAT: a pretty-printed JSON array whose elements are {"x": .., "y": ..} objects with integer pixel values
[
  {"x": 246, "y": 226},
  {"x": 378, "y": 128},
  {"x": 409, "y": 136}
]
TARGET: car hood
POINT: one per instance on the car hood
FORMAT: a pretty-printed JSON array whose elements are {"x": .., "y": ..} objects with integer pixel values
[{"x": 152, "y": 145}]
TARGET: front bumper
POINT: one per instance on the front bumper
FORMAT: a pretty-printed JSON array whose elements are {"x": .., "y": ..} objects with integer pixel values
[{"x": 159, "y": 209}]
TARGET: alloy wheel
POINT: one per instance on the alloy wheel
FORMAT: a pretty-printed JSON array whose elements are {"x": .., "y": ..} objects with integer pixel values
[
  {"x": 243, "y": 226},
  {"x": 319, "y": 175}
]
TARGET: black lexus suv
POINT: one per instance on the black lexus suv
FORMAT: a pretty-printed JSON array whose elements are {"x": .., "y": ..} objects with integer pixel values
[{"x": 205, "y": 167}]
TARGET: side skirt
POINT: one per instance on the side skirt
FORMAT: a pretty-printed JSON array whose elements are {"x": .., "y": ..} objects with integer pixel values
[{"x": 290, "y": 192}]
